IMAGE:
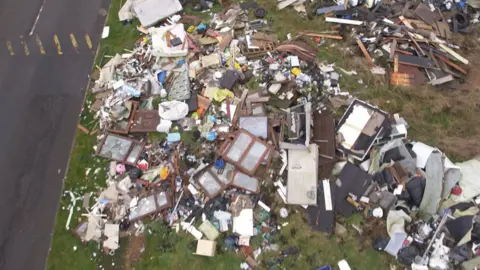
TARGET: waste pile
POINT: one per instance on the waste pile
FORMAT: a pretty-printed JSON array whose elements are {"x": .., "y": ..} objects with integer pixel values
[
  {"x": 419, "y": 42},
  {"x": 246, "y": 122}
]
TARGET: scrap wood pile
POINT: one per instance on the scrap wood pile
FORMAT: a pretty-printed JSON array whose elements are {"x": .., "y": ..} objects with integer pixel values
[
  {"x": 251, "y": 149},
  {"x": 420, "y": 42}
]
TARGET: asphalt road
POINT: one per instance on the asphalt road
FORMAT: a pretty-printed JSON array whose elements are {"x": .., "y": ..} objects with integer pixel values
[{"x": 42, "y": 82}]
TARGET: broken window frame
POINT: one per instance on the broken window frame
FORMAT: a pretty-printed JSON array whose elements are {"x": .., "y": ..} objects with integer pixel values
[
  {"x": 75, "y": 231},
  {"x": 227, "y": 146},
  {"x": 209, "y": 169},
  {"x": 232, "y": 182},
  {"x": 158, "y": 208},
  {"x": 125, "y": 160},
  {"x": 358, "y": 155},
  {"x": 129, "y": 120}
]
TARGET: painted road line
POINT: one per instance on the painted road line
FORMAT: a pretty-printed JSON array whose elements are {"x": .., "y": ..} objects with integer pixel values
[
  {"x": 74, "y": 42},
  {"x": 38, "y": 17},
  {"x": 25, "y": 47},
  {"x": 89, "y": 42},
  {"x": 40, "y": 45},
  {"x": 57, "y": 44},
  {"x": 10, "y": 48}
]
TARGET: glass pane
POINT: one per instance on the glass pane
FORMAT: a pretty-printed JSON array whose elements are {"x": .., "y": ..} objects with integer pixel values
[
  {"x": 209, "y": 183},
  {"x": 239, "y": 146},
  {"x": 162, "y": 200},
  {"x": 244, "y": 181},
  {"x": 132, "y": 157},
  {"x": 253, "y": 156},
  {"x": 225, "y": 176},
  {"x": 115, "y": 147},
  {"x": 145, "y": 206}
]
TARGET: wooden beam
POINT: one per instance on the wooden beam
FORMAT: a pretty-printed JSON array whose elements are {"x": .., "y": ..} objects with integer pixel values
[
  {"x": 365, "y": 52},
  {"x": 454, "y": 54},
  {"x": 395, "y": 64},
  {"x": 393, "y": 47},
  {"x": 320, "y": 35},
  {"x": 450, "y": 63}
]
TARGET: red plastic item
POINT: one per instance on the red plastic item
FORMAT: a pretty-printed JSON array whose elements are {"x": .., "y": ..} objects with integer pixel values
[{"x": 456, "y": 190}]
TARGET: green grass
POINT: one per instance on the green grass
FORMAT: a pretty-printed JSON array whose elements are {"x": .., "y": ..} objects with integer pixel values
[
  {"x": 438, "y": 118},
  {"x": 62, "y": 255}
]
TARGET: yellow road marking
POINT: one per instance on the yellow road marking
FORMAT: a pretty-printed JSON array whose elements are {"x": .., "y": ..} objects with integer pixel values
[
  {"x": 25, "y": 48},
  {"x": 74, "y": 42},
  {"x": 10, "y": 48},
  {"x": 89, "y": 42},
  {"x": 57, "y": 44},
  {"x": 40, "y": 45}
]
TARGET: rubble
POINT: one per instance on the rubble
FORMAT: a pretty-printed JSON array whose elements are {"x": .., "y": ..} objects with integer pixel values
[{"x": 190, "y": 81}]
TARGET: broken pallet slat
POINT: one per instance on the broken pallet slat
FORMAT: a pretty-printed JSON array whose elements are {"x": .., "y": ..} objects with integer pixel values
[
  {"x": 365, "y": 52},
  {"x": 393, "y": 47},
  {"x": 82, "y": 128},
  {"x": 454, "y": 54},
  {"x": 450, "y": 63},
  {"x": 320, "y": 35},
  {"x": 284, "y": 4},
  {"x": 343, "y": 21}
]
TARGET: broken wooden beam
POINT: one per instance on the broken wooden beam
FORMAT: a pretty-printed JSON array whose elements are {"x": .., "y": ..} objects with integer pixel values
[
  {"x": 454, "y": 54},
  {"x": 343, "y": 21},
  {"x": 320, "y": 35},
  {"x": 365, "y": 52},
  {"x": 82, "y": 128},
  {"x": 450, "y": 63}
]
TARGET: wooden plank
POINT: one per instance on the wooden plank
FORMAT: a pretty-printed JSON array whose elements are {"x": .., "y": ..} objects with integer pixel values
[
  {"x": 258, "y": 99},
  {"x": 285, "y": 4},
  {"x": 454, "y": 54},
  {"x": 395, "y": 64},
  {"x": 403, "y": 52},
  {"x": 343, "y": 21},
  {"x": 239, "y": 106},
  {"x": 430, "y": 53},
  {"x": 450, "y": 63},
  {"x": 393, "y": 47},
  {"x": 416, "y": 44},
  {"x": 320, "y": 35},
  {"x": 365, "y": 52},
  {"x": 82, "y": 128}
]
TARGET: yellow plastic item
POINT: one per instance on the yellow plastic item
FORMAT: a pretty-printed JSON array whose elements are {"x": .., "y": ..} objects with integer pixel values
[
  {"x": 235, "y": 65},
  {"x": 191, "y": 29},
  {"x": 222, "y": 94},
  {"x": 164, "y": 173},
  {"x": 296, "y": 71}
]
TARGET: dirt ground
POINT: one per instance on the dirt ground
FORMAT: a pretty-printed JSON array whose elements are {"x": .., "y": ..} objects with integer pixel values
[{"x": 136, "y": 245}]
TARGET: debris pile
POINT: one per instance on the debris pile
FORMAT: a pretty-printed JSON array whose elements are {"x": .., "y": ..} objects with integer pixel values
[
  {"x": 219, "y": 130},
  {"x": 419, "y": 43}
]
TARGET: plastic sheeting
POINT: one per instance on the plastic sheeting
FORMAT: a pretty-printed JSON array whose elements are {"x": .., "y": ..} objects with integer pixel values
[
  {"x": 469, "y": 181},
  {"x": 433, "y": 187},
  {"x": 396, "y": 222},
  {"x": 172, "y": 110}
]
